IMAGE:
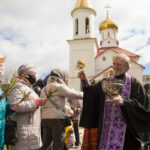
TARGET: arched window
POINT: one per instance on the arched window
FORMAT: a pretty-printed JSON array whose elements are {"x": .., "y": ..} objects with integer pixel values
[
  {"x": 114, "y": 35},
  {"x": 104, "y": 58},
  {"x": 108, "y": 34},
  {"x": 76, "y": 27},
  {"x": 87, "y": 25}
]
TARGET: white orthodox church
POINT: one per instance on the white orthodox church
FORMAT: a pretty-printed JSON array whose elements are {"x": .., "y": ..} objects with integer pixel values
[{"x": 84, "y": 44}]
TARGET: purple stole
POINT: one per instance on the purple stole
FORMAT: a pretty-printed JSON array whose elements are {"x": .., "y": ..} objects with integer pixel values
[{"x": 114, "y": 125}]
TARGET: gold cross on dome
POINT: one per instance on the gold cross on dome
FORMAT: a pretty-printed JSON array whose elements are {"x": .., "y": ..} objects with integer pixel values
[{"x": 107, "y": 7}]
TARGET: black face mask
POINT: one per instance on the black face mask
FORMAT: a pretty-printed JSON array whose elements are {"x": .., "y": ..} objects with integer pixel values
[{"x": 32, "y": 79}]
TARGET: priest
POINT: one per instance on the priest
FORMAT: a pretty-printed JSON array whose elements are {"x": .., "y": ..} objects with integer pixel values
[{"x": 123, "y": 124}]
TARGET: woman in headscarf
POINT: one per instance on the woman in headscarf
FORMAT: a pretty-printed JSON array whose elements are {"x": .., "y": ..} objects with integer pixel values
[
  {"x": 28, "y": 114},
  {"x": 53, "y": 120}
]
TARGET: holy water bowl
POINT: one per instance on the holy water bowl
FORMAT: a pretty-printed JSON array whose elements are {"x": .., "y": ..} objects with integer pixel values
[{"x": 112, "y": 87}]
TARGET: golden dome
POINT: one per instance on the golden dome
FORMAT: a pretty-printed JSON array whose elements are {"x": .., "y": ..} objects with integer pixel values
[
  {"x": 83, "y": 4},
  {"x": 108, "y": 24}
]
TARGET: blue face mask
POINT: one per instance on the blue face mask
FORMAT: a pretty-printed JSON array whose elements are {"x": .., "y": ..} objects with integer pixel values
[{"x": 32, "y": 79}]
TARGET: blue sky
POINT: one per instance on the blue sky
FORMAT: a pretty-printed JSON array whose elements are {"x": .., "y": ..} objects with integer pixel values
[
  {"x": 36, "y": 31},
  {"x": 147, "y": 69}
]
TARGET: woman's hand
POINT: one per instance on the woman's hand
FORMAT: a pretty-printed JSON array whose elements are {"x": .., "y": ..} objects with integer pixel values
[
  {"x": 14, "y": 106},
  {"x": 42, "y": 101}
]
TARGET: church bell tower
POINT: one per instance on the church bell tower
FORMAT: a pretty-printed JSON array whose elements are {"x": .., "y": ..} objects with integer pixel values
[
  {"x": 84, "y": 43},
  {"x": 83, "y": 20}
]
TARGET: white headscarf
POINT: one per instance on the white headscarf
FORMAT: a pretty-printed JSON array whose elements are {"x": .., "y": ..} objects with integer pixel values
[{"x": 26, "y": 69}]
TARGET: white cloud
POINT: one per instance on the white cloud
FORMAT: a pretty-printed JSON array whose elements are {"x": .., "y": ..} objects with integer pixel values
[
  {"x": 134, "y": 42},
  {"x": 145, "y": 55},
  {"x": 40, "y": 29}
]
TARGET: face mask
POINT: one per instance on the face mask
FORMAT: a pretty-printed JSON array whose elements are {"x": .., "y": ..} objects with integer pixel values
[{"x": 32, "y": 79}]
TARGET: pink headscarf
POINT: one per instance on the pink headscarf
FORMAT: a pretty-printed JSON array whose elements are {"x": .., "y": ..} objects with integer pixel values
[{"x": 26, "y": 69}]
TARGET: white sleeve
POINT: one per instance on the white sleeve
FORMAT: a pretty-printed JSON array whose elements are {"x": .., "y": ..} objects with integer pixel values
[{"x": 65, "y": 91}]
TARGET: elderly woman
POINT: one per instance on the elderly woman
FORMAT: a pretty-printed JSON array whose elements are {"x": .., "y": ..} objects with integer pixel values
[
  {"x": 52, "y": 120},
  {"x": 5, "y": 110},
  {"x": 28, "y": 114}
]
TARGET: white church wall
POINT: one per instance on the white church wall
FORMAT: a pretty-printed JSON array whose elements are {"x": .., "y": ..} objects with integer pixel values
[
  {"x": 86, "y": 51},
  {"x": 74, "y": 83},
  {"x": 100, "y": 64},
  {"x": 108, "y": 34},
  {"x": 84, "y": 48},
  {"x": 109, "y": 38},
  {"x": 136, "y": 71},
  {"x": 109, "y": 43}
]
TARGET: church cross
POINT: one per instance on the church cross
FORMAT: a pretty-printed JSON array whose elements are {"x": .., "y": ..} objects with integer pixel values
[{"x": 107, "y": 7}]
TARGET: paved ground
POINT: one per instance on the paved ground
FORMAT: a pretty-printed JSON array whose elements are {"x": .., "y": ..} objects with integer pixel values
[{"x": 81, "y": 131}]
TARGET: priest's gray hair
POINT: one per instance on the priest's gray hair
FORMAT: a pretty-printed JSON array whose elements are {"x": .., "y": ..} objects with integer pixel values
[{"x": 123, "y": 57}]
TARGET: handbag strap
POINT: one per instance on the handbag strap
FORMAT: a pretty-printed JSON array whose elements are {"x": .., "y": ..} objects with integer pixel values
[{"x": 60, "y": 110}]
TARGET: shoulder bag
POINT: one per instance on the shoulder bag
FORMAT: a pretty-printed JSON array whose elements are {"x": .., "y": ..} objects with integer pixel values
[
  {"x": 67, "y": 119},
  {"x": 10, "y": 132}
]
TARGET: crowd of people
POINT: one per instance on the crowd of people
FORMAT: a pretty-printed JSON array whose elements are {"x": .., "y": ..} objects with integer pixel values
[
  {"x": 48, "y": 112},
  {"x": 39, "y": 124}
]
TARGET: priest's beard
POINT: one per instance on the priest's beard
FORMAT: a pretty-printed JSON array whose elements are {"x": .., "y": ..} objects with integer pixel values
[{"x": 119, "y": 72}]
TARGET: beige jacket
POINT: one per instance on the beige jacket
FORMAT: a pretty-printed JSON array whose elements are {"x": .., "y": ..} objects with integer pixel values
[
  {"x": 28, "y": 119},
  {"x": 49, "y": 111}
]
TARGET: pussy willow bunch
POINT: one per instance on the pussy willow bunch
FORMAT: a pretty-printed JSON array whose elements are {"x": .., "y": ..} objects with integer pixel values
[
  {"x": 8, "y": 88},
  {"x": 51, "y": 91}
]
